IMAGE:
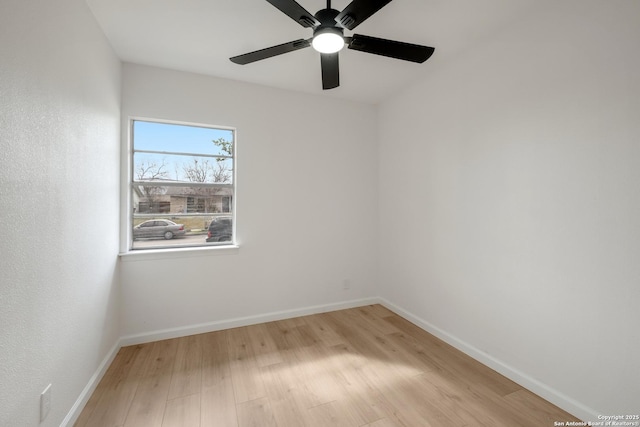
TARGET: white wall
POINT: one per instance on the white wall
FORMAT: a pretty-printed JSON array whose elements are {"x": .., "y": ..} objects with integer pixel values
[
  {"x": 509, "y": 189},
  {"x": 306, "y": 204},
  {"x": 59, "y": 162}
]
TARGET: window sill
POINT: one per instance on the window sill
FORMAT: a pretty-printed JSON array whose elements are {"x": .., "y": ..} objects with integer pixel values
[{"x": 172, "y": 253}]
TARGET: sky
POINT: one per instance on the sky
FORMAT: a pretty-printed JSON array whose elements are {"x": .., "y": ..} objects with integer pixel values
[
  {"x": 178, "y": 138},
  {"x": 172, "y": 138}
]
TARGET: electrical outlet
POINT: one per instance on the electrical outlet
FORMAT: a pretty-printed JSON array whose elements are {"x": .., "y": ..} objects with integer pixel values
[
  {"x": 45, "y": 402},
  {"x": 346, "y": 284}
]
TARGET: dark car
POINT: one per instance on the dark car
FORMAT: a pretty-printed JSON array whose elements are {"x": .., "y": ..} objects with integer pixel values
[
  {"x": 220, "y": 229},
  {"x": 158, "y": 228}
]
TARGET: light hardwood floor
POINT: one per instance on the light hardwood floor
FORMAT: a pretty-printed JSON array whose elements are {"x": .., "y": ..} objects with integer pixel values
[{"x": 359, "y": 367}]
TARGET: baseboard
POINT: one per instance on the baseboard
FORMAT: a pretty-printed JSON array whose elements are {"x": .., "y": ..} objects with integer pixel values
[
  {"x": 241, "y": 321},
  {"x": 557, "y": 398},
  {"x": 78, "y": 406}
]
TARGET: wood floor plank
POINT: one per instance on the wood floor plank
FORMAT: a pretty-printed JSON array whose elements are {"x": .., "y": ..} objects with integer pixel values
[
  {"x": 357, "y": 367},
  {"x": 441, "y": 357},
  {"x": 373, "y": 345},
  {"x": 450, "y": 399},
  {"x": 482, "y": 399},
  {"x": 216, "y": 367},
  {"x": 300, "y": 379},
  {"x": 99, "y": 400},
  {"x": 371, "y": 315},
  {"x": 256, "y": 413},
  {"x": 316, "y": 381},
  {"x": 374, "y": 382},
  {"x": 265, "y": 348},
  {"x": 384, "y": 422},
  {"x": 357, "y": 338},
  {"x": 397, "y": 415},
  {"x": 422, "y": 401},
  {"x": 323, "y": 331},
  {"x": 217, "y": 403},
  {"x": 182, "y": 412},
  {"x": 347, "y": 387},
  {"x": 539, "y": 411},
  {"x": 381, "y": 311},
  {"x": 353, "y": 410},
  {"x": 284, "y": 395},
  {"x": 402, "y": 411},
  {"x": 287, "y": 413},
  {"x": 332, "y": 414},
  {"x": 287, "y": 334},
  {"x": 150, "y": 400},
  {"x": 245, "y": 373},
  {"x": 280, "y": 380},
  {"x": 116, "y": 390},
  {"x": 186, "y": 378}
]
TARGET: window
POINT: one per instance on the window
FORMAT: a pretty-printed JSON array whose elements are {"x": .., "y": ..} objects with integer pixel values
[{"x": 182, "y": 185}]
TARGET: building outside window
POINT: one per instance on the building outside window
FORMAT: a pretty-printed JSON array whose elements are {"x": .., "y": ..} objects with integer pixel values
[{"x": 182, "y": 185}]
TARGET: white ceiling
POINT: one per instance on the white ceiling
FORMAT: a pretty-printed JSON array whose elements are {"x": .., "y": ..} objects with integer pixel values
[{"x": 201, "y": 35}]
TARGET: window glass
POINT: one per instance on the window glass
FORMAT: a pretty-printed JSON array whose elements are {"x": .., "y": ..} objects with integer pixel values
[{"x": 182, "y": 179}]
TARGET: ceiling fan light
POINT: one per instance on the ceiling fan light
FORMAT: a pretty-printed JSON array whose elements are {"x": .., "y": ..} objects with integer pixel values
[{"x": 328, "y": 42}]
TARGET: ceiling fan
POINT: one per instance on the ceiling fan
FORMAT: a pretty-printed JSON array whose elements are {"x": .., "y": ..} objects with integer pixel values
[{"x": 328, "y": 37}]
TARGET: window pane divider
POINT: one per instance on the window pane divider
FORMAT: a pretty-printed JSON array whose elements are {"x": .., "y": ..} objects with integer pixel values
[
  {"x": 181, "y": 214},
  {"x": 182, "y": 184},
  {"x": 177, "y": 153}
]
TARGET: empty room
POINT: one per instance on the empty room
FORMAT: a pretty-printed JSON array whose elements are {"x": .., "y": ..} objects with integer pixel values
[{"x": 320, "y": 213}]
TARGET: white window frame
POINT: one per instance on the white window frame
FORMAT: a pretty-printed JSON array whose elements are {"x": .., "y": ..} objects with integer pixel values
[{"x": 127, "y": 214}]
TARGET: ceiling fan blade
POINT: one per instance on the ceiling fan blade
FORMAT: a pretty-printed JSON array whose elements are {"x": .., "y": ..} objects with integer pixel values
[
  {"x": 390, "y": 48},
  {"x": 250, "y": 57},
  {"x": 330, "y": 70},
  {"x": 359, "y": 10},
  {"x": 295, "y": 12}
]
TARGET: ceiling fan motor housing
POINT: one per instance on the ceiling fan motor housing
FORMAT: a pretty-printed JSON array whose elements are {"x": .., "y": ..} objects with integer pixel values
[{"x": 327, "y": 18}]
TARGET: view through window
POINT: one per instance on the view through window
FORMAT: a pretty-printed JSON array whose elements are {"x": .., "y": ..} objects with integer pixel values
[{"x": 182, "y": 185}]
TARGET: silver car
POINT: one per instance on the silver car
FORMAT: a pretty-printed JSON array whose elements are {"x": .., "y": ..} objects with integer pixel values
[{"x": 158, "y": 228}]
